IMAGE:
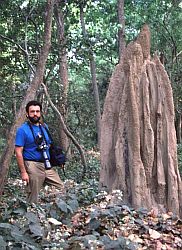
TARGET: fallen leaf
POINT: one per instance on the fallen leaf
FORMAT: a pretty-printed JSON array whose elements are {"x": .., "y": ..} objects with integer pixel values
[
  {"x": 154, "y": 234},
  {"x": 159, "y": 245},
  {"x": 135, "y": 238},
  {"x": 54, "y": 221},
  {"x": 166, "y": 216}
]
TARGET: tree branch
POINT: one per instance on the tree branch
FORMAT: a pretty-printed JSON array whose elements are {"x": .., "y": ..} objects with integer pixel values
[
  {"x": 67, "y": 132},
  {"x": 21, "y": 48}
]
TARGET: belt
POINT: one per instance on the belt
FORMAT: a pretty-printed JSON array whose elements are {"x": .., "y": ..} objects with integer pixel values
[{"x": 34, "y": 160}]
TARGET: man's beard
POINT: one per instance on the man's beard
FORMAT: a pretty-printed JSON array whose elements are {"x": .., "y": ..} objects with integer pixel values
[{"x": 34, "y": 119}]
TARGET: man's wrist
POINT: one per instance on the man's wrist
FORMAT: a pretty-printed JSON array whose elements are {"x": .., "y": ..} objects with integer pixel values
[{"x": 23, "y": 171}]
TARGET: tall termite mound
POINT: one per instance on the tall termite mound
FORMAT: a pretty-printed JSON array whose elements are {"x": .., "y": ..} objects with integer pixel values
[{"x": 138, "y": 139}]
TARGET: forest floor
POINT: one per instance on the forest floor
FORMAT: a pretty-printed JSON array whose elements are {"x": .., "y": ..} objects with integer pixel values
[{"x": 81, "y": 218}]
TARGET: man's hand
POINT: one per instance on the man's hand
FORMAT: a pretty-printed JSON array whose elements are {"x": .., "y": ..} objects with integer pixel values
[
  {"x": 25, "y": 177},
  {"x": 20, "y": 161}
]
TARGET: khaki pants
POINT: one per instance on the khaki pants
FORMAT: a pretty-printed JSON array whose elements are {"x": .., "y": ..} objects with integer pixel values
[{"x": 39, "y": 176}]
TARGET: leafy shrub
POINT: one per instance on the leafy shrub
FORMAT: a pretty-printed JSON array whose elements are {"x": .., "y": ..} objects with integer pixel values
[
  {"x": 179, "y": 148},
  {"x": 2, "y": 144},
  {"x": 74, "y": 169}
]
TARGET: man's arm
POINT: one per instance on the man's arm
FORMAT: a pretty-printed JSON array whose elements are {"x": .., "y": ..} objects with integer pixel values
[{"x": 21, "y": 165}]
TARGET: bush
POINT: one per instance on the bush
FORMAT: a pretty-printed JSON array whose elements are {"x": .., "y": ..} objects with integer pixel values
[{"x": 179, "y": 148}]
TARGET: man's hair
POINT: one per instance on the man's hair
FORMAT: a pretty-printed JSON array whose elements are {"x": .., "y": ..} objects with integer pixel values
[{"x": 33, "y": 103}]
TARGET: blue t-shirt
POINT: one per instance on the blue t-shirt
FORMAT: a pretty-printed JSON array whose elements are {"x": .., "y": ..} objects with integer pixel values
[{"x": 24, "y": 138}]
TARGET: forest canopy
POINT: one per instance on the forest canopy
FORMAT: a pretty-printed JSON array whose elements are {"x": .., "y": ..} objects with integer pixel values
[
  {"x": 79, "y": 52},
  {"x": 21, "y": 30}
]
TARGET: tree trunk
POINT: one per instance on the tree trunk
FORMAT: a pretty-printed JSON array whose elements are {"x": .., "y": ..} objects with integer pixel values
[
  {"x": 31, "y": 92},
  {"x": 178, "y": 126},
  {"x": 138, "y": 139},
  {"x": 63, "y": 71},
  {"x": 94, "y": 78},
  {"x": 96, "y": 98},
  {"x": 121, "y": 32}
]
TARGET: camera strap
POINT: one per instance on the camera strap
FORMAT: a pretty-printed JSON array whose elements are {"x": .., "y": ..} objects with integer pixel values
[
  {"x": 49, "y": 134},
  {"x": 41, "y": 130}
]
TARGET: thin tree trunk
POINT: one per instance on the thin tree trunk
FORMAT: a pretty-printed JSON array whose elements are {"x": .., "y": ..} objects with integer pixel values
[
  {"x": 178, "y": 126},
  {"x": 67, "y": 132},
  {"x": 121, "y": 32},
  {"x": 94, "y": 79},
  {"x": 96, "y": 97},
  {"x": 63, "y": 71},
  {"x": 31, "y": 92},
  {"x": 14, "y": 100}
]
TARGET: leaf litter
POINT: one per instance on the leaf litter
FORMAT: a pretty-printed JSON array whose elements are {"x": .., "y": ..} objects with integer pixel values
[{"x": 66, "y": 220}]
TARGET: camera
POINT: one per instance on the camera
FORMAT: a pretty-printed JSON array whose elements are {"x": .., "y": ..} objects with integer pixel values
[
  {"x": 42, "y": 146},
  {"x": 39, "y": 140}
]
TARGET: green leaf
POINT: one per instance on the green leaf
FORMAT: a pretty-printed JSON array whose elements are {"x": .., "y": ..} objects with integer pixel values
[
  {"x": 20, "y": 211},
  {"x": 2, "y": 243},
  {"x": 87, "y": 239},
  {"x": 6, "y": 226},
  {"x": 36, "y": 229},
  {"x": 17, "y": 234},
  {"x": 73, "y": 204},
  {"x": 62, "y": 205},
  {"x": 70, "y": 209},
  {"x": 94, "y": 224},
  {"x": 32, "y": 217}
]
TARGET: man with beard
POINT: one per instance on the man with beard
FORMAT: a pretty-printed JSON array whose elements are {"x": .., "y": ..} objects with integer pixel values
[{"x": 29, "y": 153}]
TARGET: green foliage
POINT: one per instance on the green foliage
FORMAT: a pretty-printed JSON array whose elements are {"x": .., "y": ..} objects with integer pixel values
[
  {"x": 67, "y": 220},
  {"x": 28, "y": 226},
  {"x": 74, "y": 169},
  {"x": 81, "y": 218},
  {"x": 179, "y": 148},
  {"x": 2, "y": 144},
  {"x": 21, "y": 23}
]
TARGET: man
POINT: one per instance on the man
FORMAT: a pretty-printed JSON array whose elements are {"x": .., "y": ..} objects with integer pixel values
[{"x": 29, "y": 153}]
